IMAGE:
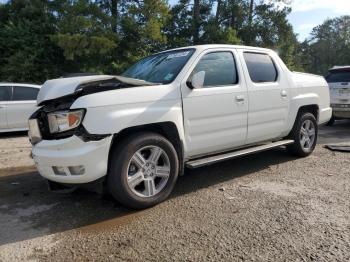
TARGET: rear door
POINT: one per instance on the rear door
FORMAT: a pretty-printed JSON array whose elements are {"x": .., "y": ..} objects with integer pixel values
[
  {"x": 215, "y": 116},
  {"x": 21, "y": 106},
  {"x": 5, "y": 94},
  {"x": 268, "y": 95}
]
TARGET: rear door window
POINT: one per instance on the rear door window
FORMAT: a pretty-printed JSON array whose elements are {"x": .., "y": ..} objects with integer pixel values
[
  {"x": 338, "y": 76},
  {"x": 261, "y": 68},
  {"x": 5, "y": 93},
  {"x": 23, "y": 93}
]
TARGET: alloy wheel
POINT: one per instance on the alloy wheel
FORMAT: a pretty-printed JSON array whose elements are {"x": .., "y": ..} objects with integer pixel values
[{"x": 148, "y": 171}]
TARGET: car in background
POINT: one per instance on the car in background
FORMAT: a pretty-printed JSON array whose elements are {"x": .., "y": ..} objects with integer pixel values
[
  {"x": 338, "y": 80},
  {"x": 17, "y": 103}
]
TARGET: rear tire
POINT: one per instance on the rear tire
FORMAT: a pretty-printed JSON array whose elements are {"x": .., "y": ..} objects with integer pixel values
[
  {"x": 143, "y": 170},
  {"x": 331, "y": 121},
  {"x": 304, "y": 134}
]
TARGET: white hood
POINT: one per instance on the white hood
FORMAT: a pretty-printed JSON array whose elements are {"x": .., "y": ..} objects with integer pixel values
[{"x": 60, "y": 87}]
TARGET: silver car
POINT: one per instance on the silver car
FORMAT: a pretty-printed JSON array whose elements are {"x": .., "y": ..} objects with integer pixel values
[
  {"x": 17, "y": 103},
  {"x": 338, "y": 80}
]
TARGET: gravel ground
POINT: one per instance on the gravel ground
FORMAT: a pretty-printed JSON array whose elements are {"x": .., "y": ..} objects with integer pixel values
[
  {"x": 15, "y": 150},
  {"x": 264, "y": 207}
]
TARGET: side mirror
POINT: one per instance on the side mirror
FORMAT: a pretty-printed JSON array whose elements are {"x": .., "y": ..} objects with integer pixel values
[{"x": 197, "y": 80}]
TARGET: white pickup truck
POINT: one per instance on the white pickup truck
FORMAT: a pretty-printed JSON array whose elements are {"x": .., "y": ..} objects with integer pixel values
[{"x": 186, "y": 107}]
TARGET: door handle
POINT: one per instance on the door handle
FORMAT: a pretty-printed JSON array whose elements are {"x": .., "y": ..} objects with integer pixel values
[
  {"x": 2, "y": 106},
  {"x": 240, "y": 98},
  {"x": 284, "y": 93}
]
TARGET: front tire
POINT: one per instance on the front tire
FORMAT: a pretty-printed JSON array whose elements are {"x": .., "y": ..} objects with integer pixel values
[
  {"x": 304, "y": 134},
  {"x": 143, "y": 170}
]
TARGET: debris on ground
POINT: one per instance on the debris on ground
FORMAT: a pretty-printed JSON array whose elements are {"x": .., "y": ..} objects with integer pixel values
[{"x": 339, "y": 147}]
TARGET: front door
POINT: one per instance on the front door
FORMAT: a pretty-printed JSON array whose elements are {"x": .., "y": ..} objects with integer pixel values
[
  {"x": 215, "y": 115},
  {"x": 5, "y": 94},
  {"x": 268, "y": 94}
]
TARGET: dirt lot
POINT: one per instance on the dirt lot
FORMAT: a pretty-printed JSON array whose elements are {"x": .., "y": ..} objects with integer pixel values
[{"x": 264, "y": 207}]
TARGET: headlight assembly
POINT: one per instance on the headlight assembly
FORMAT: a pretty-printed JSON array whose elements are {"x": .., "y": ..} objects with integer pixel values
[{"x": 62, "y": 121}]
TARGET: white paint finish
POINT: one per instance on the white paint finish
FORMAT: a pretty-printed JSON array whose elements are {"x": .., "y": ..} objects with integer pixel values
[
  {"x": 311, "y": 90},
  {"x": 112, "y": 111},
  {"x": 72, "y": 151},
  {"x": 215, "y": 118},
  {"x": 64, "y": 86},
  {"x": 268, "y": 103},
  {"x": 18, "y": 113},
  {"x": 3, "y": 115},
  {"x": 207, "y": 119},
  {"x": 132, "y": 95}
]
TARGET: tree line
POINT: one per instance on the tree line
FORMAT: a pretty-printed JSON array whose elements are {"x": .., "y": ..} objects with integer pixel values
[{"x": 43, "y": 39}]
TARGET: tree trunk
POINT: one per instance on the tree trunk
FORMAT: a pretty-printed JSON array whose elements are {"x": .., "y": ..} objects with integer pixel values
[
  {"x": 196, "y": 21},
  {"x": 114, "y": 12},
  {"x": 217, "y": 15},
  {"x": 250, "y": 22},
  {"x": 250, "y": 16}
]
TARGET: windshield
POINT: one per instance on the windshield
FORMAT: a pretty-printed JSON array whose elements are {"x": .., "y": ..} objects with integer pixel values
[
  {"x": 338, "y": 76},
  {"x": 160, "y": 68}
]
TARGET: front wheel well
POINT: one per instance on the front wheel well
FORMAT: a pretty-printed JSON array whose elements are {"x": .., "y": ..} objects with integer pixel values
[{"x": 166, "y": 129}]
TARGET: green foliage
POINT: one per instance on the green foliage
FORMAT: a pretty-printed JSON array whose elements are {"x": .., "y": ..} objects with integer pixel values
[
  {"x": 329, "y": 45},
  {"x": 41, "y": 39},
  {"x": 27, "y": 53}
]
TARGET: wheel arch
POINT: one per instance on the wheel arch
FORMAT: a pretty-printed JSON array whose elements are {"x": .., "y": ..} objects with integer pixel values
[
  {"x": 312, "y": 108},
  {"x": 167, "y": 129}
]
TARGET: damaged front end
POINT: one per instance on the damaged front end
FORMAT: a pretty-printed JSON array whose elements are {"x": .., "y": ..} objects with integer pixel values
[{"x": 58, "y": 95}]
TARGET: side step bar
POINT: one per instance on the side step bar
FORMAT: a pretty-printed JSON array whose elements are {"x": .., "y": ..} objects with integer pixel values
[{"x": 243, "y": 152}]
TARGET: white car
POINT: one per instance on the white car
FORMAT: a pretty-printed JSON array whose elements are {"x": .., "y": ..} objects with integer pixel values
[
  {"x": 338, "y": 80},
  {"x": 17, "y": 103},
  {"x": 187, "y": 107}
]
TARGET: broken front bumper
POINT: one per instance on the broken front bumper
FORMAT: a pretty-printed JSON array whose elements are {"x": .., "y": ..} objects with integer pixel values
[{"x": 71, "y": 160}]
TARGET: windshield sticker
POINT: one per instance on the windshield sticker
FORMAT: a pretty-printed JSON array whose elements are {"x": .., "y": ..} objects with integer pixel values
[
  {"x": 181, "y": 54},
  {"x": 168, "y": 77}
]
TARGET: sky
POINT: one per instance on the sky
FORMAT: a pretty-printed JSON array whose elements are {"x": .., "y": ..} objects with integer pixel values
[{"x": 306, "y": 14}]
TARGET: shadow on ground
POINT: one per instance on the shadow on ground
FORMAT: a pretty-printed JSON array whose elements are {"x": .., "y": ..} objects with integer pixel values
[
  {"x": 13, "y": 134},
  {"x": 338, "y": 133},
  {"x": 28, "y": 210}
]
